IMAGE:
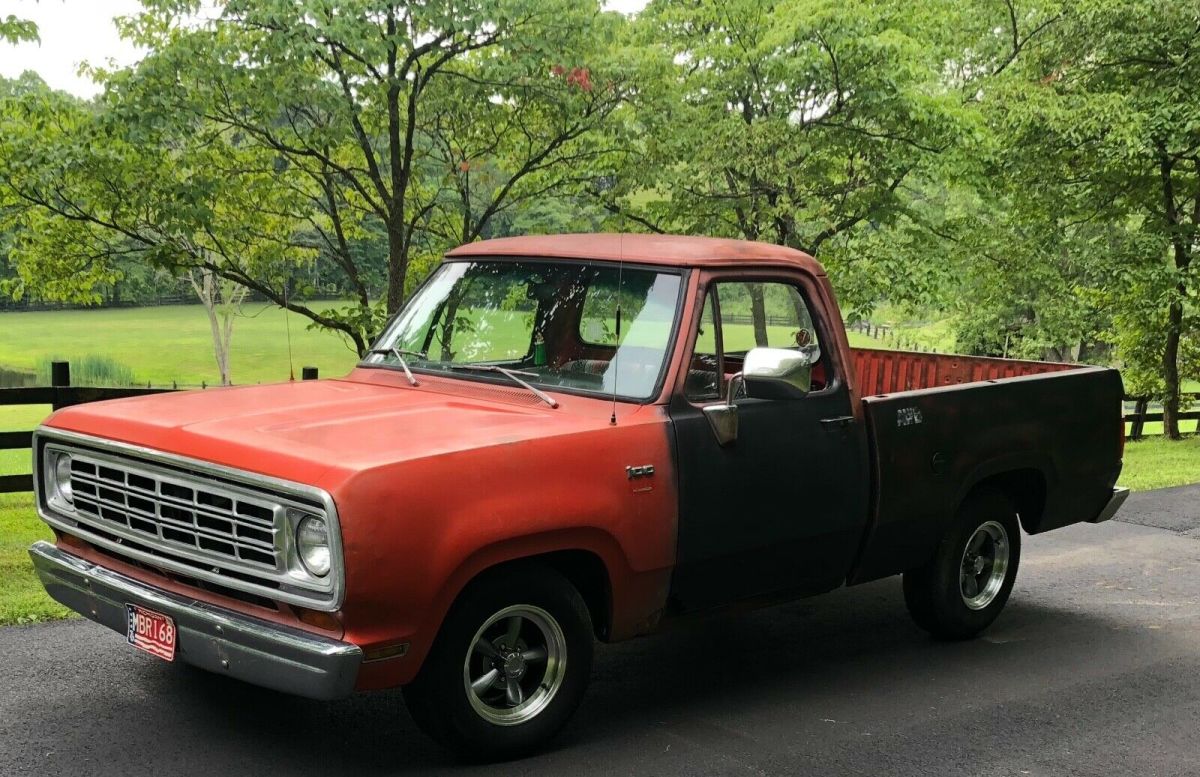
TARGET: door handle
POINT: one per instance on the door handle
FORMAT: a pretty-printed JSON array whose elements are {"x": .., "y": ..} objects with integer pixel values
[{"x": 841, "y": 422}]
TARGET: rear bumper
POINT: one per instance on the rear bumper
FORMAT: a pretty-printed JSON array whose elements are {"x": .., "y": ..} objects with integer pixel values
[
  {"x": 209, "y": 637},
  {"x": 1119, "y": 495}
]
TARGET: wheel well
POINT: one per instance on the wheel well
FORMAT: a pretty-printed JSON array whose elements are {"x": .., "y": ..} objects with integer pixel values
[
  {"x": 1025, "y": 488},
  {"x": 583, "y": 569}
]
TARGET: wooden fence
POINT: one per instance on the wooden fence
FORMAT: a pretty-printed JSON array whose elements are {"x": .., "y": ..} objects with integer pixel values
[
  {"x": 887, "y": 335},
  {"x": 60, "y": 393},
  {"x": 1143, "y": 413}
]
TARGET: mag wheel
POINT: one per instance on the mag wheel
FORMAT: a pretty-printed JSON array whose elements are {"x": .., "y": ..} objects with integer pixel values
[
  {"x": 516, "y": 665},
  {"x": 984, "y": 568},
  {"x": 509, "y": 666},
  {"x": 966, "y": 584}
]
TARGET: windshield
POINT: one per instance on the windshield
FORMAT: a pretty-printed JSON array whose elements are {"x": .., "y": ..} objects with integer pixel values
[{"x": 556, "y": 322}]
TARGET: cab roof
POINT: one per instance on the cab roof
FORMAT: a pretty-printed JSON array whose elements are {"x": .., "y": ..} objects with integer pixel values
[{"x": 673, "y": 250}]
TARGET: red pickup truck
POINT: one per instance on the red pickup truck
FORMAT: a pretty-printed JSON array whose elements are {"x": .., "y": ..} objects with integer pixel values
[{"x": 560, "y": 439}]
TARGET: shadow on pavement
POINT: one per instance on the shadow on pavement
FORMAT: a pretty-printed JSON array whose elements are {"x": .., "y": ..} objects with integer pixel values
[{"x": 853, "y": 649}]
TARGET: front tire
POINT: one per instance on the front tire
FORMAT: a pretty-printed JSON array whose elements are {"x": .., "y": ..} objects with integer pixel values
[
  {"x": 509, "y": 666},
  {"x": 966, "y": 584}
]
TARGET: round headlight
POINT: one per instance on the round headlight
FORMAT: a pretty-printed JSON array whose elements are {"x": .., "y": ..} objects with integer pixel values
[
  {"x": 312, "y": 544},
  {"x": 62, "y": 477}
]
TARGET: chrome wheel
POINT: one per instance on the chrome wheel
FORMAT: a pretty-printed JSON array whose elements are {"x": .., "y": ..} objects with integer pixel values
[
  {"x": 516, "y": 664},
  {"x": 984, "y": 565}
]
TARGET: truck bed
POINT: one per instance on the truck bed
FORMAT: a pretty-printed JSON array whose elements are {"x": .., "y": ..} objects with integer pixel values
[
  {"x": 884, "y": 372},
  {"x": 1050, "y": 435}
]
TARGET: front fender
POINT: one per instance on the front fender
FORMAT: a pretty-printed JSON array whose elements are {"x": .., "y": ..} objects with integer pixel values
[{"x": 411, "y": 551}]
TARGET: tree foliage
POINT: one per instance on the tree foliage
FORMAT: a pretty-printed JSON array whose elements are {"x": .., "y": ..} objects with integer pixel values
[
  {"x": 1096, "y": 169},
  {"x": 424, "y": 119},
  {"x": 796, "y": 122},
  {"x": 16, "y": 30},
  {"x": 1031, "y": 166}
]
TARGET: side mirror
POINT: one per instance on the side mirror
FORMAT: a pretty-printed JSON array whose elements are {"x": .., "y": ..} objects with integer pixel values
[
  {"x": 777, "y": 373},
  {"x": 768, "y": 373}
]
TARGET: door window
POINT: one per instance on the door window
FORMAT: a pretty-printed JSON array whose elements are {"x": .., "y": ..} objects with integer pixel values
[{"x": 743, "y": 315}]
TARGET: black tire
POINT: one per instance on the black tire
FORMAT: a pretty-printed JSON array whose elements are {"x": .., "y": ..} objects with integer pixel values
[
  {"x": 441, "y": 702},
  {"x": 937, "y": 593}
]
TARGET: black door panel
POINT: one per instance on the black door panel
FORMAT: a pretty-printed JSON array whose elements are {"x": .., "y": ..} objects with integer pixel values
[{"x": 781, "y": 509}]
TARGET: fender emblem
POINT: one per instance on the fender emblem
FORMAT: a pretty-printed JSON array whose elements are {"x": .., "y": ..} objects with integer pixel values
[
  {"x": 644, "y": 471},
  {"x": 909, "y": 416}
]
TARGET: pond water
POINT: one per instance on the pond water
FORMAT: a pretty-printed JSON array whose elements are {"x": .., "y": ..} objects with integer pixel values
[{"x": 12, "y": 378}]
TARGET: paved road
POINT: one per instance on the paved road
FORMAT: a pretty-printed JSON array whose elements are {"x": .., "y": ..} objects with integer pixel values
[{"x": 1094, "y": 669}]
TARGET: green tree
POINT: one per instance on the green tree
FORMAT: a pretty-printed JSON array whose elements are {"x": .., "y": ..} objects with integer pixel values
[
  {"x": 1099, "y": 121},
  {"x": 15, "y": 30},
  {"x": 93, "y": 186},
  {"x": 795, "y": 122},
  {"x": 427, "y": 119}
]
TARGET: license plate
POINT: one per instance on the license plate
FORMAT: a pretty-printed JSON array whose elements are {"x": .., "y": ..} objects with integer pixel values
[{"x": 151, "y": 631}]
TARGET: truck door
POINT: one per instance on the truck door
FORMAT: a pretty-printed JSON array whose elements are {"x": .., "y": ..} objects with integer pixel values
[{"x": 781, "y": 509}]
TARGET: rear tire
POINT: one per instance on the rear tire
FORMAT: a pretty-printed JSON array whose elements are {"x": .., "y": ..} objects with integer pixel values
[
  {"x": 966, "y": 584},
  {"x": 508, "y": 668}
]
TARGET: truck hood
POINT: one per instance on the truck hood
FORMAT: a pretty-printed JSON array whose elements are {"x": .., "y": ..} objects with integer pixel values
[{"x": 322, "y": 432}]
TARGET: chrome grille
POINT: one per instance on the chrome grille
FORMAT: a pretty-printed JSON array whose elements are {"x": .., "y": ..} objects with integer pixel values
[
  {"x": 205, "y": 522},
  {"x": 198, "y": 517}
]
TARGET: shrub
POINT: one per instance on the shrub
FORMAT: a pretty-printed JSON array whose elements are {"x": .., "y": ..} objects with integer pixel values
[{"x": 90, "y": 370}]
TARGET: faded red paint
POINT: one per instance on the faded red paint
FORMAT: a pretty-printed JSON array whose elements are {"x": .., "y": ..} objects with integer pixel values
[
  {"x": 886, "y": 372},
  {"x": 433, "y": 485},
  {"x": 670, "y": 250}
]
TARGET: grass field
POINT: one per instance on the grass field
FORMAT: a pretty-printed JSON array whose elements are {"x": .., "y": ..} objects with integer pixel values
[
  {"x": 22, "y": 599},
  {"x": 1159, "y": 463},
  {"x": 21, "y": 596},
  {"x": 173, "y": 342}
]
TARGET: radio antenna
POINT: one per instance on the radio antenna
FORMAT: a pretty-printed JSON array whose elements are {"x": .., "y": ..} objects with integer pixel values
[{"x": 617, "y": 353}]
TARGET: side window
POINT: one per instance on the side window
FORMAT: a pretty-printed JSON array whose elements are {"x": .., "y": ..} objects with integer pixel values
[
  {"x": 751, "y": 315},
  {"x": 764, "y": 315}
]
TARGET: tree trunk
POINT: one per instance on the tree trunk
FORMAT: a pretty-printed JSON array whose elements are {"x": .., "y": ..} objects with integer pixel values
[
  {"x": 1181, "y": 251},
  {"x": 448, "y": 320},
  {"x": 397, "y": 267},
  {"x": 220, "y": 305},
  {"x": 1171, "y": 370},
  {"x": 232, "y": 298},
  {"x": 758, "y": 313},
  {"x": 205, "y": 287}
]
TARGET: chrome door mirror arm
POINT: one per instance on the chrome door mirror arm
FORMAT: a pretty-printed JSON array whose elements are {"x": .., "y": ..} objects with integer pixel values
[{"x": 722, "y": 417}]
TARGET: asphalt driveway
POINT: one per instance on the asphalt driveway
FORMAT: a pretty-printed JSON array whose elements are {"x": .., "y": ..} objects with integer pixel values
[{"x": 1093, "y": 669}]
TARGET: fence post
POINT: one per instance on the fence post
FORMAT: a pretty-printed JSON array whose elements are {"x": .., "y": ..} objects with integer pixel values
[
  {"x": 308, "y": 373},
  {"x": 60, "y": 373},
  {"x": 60, "y": 377},
  {"x": 1139, "y": 419}
]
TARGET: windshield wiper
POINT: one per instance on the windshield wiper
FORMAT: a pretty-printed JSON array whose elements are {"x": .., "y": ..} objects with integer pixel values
[
  {"x": 513, "y": 375},
  {"x": 400, "y": 353}
]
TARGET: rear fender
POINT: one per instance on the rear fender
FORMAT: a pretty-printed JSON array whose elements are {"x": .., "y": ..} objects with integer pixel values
[{"x": 1024, "y": 477}]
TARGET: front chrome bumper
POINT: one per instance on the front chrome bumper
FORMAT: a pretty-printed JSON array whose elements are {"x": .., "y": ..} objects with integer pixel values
[
  {"x": 209, "y": 637},
  {"x": 1119, "y": 495}
]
